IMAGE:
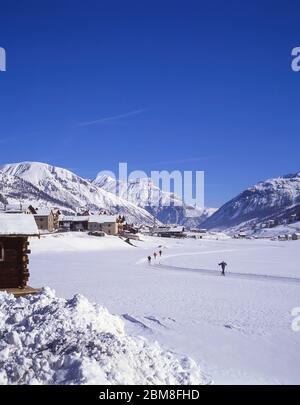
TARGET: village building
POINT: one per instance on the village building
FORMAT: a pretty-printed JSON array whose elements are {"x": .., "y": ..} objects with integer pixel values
[
  {"x": 15, "y": 229},
  {"x": 104, "y": 212},
  {"x": 198, "y": 230},
  {"x": 175, "y": 231},
  {"x": 128, "y": 228},
  {"x": 74, "y": 223},
  {"x": 121, "y": 223},
  {"x": 146, "y": 230},
  {"x": 85, "y": 213},
  {"x": 92, "y": 223},
  {"x": 105, "y": 223},
  {"x": 56, "y": 216},
  {"x": 31, "y": 210},
  {"x": 296, "y": 236},
  {"x": 45, "y": 219}
]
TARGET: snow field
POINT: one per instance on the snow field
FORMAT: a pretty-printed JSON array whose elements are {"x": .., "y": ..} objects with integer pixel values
[
  {"x": 238, "y": 327},
  {"x": 51, "y": 340}
]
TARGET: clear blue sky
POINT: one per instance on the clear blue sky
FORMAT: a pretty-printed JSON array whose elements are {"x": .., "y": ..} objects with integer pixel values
[{"x": 188, "y": 85}]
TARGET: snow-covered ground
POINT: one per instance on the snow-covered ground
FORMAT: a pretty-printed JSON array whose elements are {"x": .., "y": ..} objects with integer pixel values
[
  {"x": 237, "y": 328},
  {"x": 279, "y": 230},
  {"x": 50, "y": 340}
]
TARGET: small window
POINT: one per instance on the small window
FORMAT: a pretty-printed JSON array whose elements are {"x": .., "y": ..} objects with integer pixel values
[{"x": 1, "y": 252}]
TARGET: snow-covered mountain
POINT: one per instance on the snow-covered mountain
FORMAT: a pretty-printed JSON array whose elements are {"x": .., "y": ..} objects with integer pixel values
[
  {"x": 15, "y": 191},
  {"x": 275, "y": 199},
  {"x": 45, "y": 185},
  {"x": 166, "y": 207},
  {"x": 140, "y": 201}
]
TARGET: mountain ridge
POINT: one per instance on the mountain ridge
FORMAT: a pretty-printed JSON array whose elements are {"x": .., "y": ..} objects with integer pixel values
[
  {"x": 276, "y": 199},
  {"x": 167, "y": 207},
  {"x": 50, "y": 184}
]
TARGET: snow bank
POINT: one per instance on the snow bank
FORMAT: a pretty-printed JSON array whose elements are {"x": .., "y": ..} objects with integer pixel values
[{"x": 51, "y": 340}]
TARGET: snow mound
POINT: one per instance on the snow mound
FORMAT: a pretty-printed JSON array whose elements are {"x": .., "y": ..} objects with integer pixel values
[{"x": 51, "y": 340}]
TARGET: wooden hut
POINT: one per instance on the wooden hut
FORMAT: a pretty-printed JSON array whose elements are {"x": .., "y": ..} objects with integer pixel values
[{"x": 14, "y": 249}]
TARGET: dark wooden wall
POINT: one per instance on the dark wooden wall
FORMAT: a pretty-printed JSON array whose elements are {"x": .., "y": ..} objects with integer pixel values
[{"x": 13, "y": 270}]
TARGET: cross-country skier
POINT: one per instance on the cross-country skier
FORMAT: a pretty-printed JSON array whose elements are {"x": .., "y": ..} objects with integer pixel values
[
  {"x": 149, "y": 260},
  {"x": 154, "y": 254},
  {"x": 160, "y": 253},
  {"x": 223, "y": 265}
]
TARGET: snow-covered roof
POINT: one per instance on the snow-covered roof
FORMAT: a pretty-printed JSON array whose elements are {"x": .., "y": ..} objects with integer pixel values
[
  {"x": 176, "y": 229},
  {"x": 74, "y": 218},
  {"x": 166, "y": 229},
  {"x": 101, "y": 219},
  {"x": 43, "y": 212},
  {"x": 18, "y": 224}
]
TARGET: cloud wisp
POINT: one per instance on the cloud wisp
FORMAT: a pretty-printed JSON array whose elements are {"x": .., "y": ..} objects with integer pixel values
[
  {"x": 82, "y": 124},
  {"x": 113, "y": 117}
]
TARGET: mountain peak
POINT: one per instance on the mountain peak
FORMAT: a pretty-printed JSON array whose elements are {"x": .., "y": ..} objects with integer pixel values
[
  {"x": 69, "y": 191},
  {"x": 166, "y": 206},
  {"x": 139, "y": 199},
  {"x": 276, "y": 199}
]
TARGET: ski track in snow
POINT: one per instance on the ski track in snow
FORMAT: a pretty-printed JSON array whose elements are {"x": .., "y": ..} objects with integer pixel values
[
  {"x": 214, "y": 273},
  {"x": 143, "y": 261}
]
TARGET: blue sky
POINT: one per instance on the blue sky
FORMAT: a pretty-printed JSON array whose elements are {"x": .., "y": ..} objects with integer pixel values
[{"x": 174, "y": 85}]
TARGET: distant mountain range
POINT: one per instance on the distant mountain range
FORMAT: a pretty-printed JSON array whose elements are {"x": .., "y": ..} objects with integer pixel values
[
  {"x": 49, "y": 186},
  {"x": 276, "y": 200},
  {"x": 166, "y": 207}
]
